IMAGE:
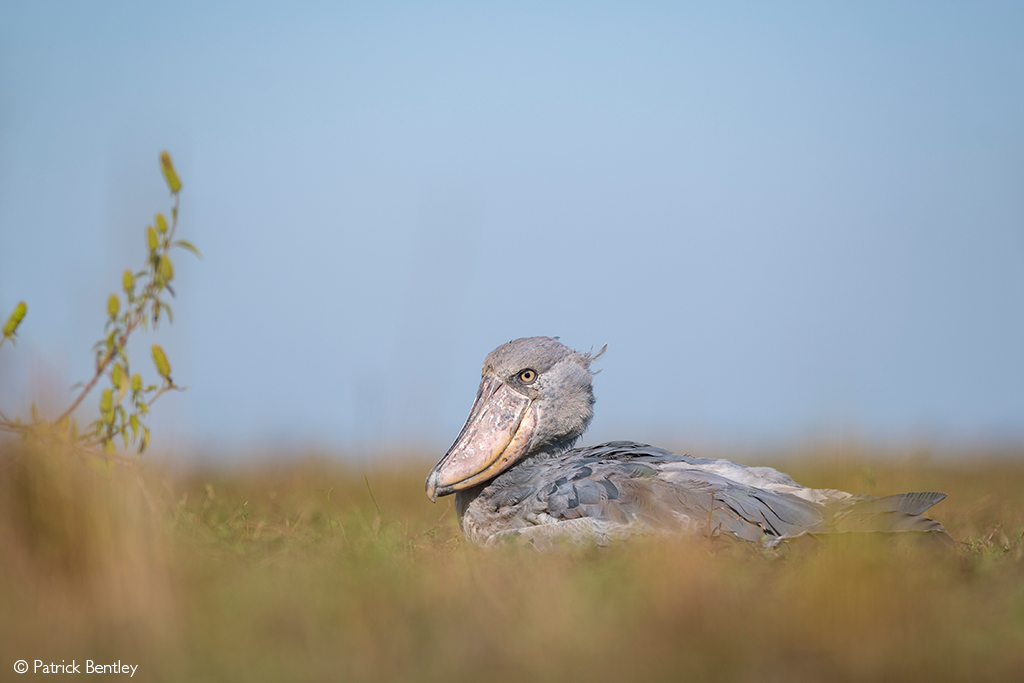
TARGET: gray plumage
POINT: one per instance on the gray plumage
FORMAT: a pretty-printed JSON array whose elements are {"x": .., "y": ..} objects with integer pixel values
[{"x": 619, "y": 489}]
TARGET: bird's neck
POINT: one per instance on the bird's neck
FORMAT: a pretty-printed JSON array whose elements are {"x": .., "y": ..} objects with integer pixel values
[{"x": 548, "y": 450}]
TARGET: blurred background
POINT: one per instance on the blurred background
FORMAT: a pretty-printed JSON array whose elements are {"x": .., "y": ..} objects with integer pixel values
[{"x": 787, "y": 222}]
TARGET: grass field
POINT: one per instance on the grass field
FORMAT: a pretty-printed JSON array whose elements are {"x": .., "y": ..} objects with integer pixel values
[{"x": 296, "y": 572}]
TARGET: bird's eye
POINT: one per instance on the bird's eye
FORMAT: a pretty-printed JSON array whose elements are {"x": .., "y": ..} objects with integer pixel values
[{"x": 527, "y": 376}]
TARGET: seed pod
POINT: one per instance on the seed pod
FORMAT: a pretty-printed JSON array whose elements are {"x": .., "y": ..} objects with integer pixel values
[
  {"x": 166, "y": 269},
  {"x": 161, "y": 223},
  {"x": 160, "y": 360},
  {"x": 16, "y": 317},
  {"x": 170, "y": 175},
  {"x": 113, "y": 306},
  {"x": 128, "y": 280},
  {"x": 151, "y": 239}
]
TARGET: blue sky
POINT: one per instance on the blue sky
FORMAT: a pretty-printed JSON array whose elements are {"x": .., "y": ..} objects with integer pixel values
[{"x": 786, "y": 220}]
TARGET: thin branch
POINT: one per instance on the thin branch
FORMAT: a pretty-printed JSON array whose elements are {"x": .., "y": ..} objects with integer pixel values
[
  {"x": 8, "y": 426},
  {"x": 174, "y": 220},
  {"x": 102, "y": 367},
  {"x": 162, "y": 391}
]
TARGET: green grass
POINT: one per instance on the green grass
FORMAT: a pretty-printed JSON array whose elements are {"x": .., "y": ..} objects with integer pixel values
[{"x": 294, "y": 572}]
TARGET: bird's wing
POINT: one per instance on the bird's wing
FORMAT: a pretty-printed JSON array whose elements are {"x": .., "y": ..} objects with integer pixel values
[
  {"x": 626, "y": 488},
  {"x": 622, "y": 488}
]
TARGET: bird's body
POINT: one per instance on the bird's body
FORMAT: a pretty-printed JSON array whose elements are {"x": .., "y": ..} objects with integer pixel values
[
  {"x": 621, "y": 489},
  {"x": 514, "y": 474}
]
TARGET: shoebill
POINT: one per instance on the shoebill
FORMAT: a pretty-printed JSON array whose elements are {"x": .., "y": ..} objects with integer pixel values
[{"x": 515, "y": 473}]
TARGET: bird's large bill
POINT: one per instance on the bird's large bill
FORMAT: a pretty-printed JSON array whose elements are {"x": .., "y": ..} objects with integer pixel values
[{"x": 496, "y": 434}]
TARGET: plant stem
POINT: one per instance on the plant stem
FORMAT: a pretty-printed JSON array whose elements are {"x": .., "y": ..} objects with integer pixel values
[{"x": 147, "y": 298}]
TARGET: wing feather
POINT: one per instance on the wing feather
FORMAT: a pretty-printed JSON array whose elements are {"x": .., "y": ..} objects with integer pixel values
[{"x": 622, "y": 488}]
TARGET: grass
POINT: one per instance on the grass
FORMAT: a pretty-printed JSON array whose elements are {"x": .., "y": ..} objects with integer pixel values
[{"x": 315, "y": 571}]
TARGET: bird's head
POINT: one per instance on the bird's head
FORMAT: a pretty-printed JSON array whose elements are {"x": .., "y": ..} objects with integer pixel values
[{"x": 535, "y": 396}]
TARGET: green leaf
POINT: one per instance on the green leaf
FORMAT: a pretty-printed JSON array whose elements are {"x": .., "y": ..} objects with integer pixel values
[
  {"x": 152, "y": 241},
  {"x": 122, "y": 383},
  {"x": 160, "y": 360},
  {"x": 106, "y": 402},
  {"x": 161, "y": 223},
  {"x": 187, "y": 245},
  {"x": 166, "y": 269},
  {"x": 128, "y": 281},
  {"x": 116, "y": 374},
  {"x": 133, "y": 422},
  {"x": 15, "y": 319},
  {"x": 108, "y": 446},
  {"x": 145, "y": 439},
  {"x": 136, "y": 382}
]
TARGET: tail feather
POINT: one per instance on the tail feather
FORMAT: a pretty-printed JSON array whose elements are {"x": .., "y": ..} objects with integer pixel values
[
  {"x": 901, "y": 512},
  {"x": 910, "y": 503}
]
